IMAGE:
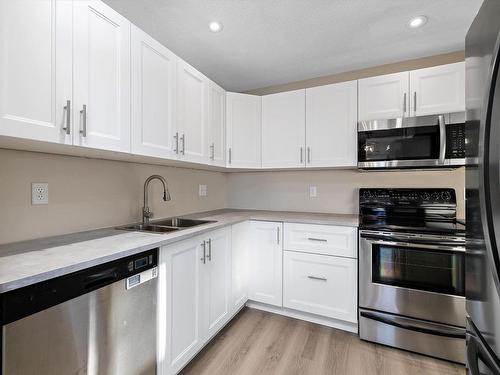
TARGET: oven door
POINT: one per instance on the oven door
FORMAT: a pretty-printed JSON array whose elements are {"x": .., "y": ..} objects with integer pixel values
[
  {"x": 402, "y": 142},
  {"x": 418, "y": 280}
]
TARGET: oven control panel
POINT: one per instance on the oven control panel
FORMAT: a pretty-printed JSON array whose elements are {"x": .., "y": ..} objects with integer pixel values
[{"x": 406, "y": 196}]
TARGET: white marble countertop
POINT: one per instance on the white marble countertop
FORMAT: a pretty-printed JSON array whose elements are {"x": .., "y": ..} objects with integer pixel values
[{"x": 29, "y": 262}]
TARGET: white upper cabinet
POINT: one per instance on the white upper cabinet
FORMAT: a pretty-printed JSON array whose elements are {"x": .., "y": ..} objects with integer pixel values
[
  {"x": 383, "y": 97},
  {"x": 192, "y": 113},
  {"x": 217, "y": 124},
  {"x": 243, "y": 130},
  {"x": 101, "y": 77},
  {"x": 153, "y": 96},
  {"x": 283, "y": 129},
  {"x": 35, "y": 69},
  {"x": 331, "y": 123},
  {"x": 439, "y": 89}
]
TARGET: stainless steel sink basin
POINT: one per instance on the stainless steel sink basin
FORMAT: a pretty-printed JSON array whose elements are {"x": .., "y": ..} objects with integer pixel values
[
  {"x": 181, "y": 223},
  {"x": 148, "y": 228},
  {"x": 166, "y": 225}
]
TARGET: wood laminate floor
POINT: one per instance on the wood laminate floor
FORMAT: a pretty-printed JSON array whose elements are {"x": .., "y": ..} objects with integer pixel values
[{"x": 258, "y": 343}]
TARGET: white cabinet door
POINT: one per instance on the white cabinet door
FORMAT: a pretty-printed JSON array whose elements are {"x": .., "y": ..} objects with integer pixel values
[
  {"x": 101, "y": 77},
  {"x": 35, "y": 69},
  {"x": 217, "y": 278},
  {"x": 321, "y": 284},
  {"x": 266, "y": 263},
  {"x": 331, "y": 125},
  {"x": 153, "y": 101},
  {"x": 383, "y": 97},
  {"x": 183, "y": 311},
  {"x": 438, "y": 90},
  {"x": 283, "y": 129},
  {"x": 243, "y": 130},
  {"x": 217, "y": 124},
  {"x": 240, "y": 246},
  {"x": 192, "y": 113}
]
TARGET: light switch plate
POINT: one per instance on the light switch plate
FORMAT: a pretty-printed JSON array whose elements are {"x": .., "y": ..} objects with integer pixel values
[
  {"x": 39, "y": 193},
  {"x": 202, "y": 190},
  {"x": 313, "y": 191}
]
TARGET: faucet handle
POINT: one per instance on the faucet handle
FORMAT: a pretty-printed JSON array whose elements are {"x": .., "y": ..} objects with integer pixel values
[{"x": 147, "y": 213}]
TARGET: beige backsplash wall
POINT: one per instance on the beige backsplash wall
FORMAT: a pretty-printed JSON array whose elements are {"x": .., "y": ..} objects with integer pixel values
[
  {"x": 337, "y": 189},
  {"x": 91, "y": 193}
]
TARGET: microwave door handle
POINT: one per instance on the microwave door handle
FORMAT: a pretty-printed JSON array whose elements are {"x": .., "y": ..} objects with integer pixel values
[{"x": 442, "y": 139}]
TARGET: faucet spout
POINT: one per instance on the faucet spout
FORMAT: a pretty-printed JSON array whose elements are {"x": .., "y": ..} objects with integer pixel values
[{"x": 146, "y": 213}]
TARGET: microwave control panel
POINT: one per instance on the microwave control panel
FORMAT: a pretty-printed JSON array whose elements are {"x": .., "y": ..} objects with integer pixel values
[{"x": 455, "y": 141}]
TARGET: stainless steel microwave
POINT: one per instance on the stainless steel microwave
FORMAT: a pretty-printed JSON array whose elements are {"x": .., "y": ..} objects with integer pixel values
[{"x": 412, "y": 142}]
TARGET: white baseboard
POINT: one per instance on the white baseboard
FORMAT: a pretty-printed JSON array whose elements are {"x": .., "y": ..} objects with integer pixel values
[{"x": 329, "y": 322}]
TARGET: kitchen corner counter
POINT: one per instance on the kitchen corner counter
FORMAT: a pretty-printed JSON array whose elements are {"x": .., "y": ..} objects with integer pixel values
[{"x": 29, "y": 262}]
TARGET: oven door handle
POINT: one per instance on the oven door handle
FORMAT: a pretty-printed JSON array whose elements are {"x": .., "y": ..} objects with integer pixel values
[
  {"x": 435, "y": 246},
  {"x": 457, "y": 333}
]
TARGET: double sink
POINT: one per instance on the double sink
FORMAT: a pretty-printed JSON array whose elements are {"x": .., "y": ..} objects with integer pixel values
[{"x": 166, "y": 225}]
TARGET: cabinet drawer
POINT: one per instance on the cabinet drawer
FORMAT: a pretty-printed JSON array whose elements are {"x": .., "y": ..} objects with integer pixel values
[
  {"x": 321, "y": 239},
  {"x": 320, "y": 284}
]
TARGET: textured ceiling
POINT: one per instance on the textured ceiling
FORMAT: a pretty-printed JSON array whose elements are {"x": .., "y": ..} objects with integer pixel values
[{"x": 269, "y": 42}]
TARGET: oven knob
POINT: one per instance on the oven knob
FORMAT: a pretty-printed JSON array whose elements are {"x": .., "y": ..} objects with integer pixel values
[
  {"x": 426, "y": 196},
  {"x": 436, "y": 196},
  {"x": 445, "y": 195},
  {"x": 367, "y": 194}
]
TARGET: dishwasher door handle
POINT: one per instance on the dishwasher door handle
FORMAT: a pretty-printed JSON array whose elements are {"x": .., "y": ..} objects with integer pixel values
[{"x": 100, "y": 279}]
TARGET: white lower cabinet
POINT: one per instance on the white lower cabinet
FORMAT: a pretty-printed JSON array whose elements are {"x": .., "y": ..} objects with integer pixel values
[
  {"x": 181, "y": 309},
  {"x": 240, "y": 240},
  {"x": 265, "y": 284},
  {"x": 321, "y": 284},
  {"x": 216, "y": 272},
  {"x": 194, "y": 296}
]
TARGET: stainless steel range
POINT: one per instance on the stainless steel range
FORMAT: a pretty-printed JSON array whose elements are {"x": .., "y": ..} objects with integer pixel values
[{"x": 411, "y": 271}]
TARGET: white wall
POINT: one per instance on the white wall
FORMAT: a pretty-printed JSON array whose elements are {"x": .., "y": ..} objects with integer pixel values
[
  {"x": 90, "y": 193},
  {"x": 337, "y": 189}
]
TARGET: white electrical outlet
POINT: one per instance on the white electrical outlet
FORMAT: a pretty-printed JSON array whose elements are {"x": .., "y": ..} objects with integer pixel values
[
  {"x": 313, "y": 191},
  {"x": 202, "y": 191},
  {"x": 39, "y": 193}
]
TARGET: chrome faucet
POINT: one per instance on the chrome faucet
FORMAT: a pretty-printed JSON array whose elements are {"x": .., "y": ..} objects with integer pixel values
[{"x": 146, "y": 213}]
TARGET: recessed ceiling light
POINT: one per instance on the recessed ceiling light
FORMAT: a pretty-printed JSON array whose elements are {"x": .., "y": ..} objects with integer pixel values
[
  {"x": 215, "y": 27},
  {"x": 417, "y": 22}
]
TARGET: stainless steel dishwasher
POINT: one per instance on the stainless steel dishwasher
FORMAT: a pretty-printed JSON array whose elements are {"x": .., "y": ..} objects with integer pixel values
[{"x": 98, "y": 321}]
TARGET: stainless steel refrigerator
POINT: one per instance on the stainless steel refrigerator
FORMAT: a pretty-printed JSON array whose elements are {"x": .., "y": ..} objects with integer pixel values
[{"x": 483, "y": 191}]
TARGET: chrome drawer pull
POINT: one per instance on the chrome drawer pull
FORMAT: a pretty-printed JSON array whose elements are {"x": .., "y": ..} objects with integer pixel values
[
  {"x": 67, "y": 108},
  {"x": 317, "y": 278},
  {"x": 317, "y": 239}
]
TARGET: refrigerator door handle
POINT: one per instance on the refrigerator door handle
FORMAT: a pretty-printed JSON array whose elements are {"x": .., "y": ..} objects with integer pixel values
[{"x": 477, "y": 351}]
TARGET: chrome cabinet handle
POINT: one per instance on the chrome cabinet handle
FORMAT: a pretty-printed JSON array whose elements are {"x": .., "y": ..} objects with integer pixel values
[
  {"x": 404, "y": 103},
  {"x": 67, "y": 108},
  {"x": 309, "y": 155},
  {"x": 176, "y": 137},
  {"x": 301, "y": 155},
  {"x": 317, "y": 239},
  {"x": 204, "y": 257},
  {"x": 317, "y": 278},
  {"x": 83, "y": 130},
  {"x": 278, "y": 235},
  {"x": 209, "y": 256},
  {"x": 230, "y": 159},
  {"x": 212, "y": 148},
  {"x": 183, "y": 140},
  {"x": 414, "y": 101}
]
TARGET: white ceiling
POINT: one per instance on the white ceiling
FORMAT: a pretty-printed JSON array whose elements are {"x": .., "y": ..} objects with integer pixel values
[{"x": 269, "y": 42}]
